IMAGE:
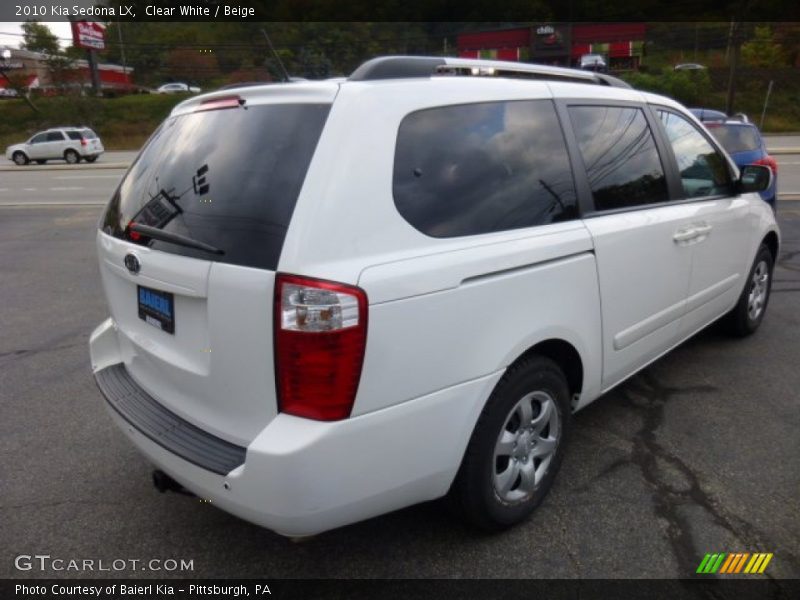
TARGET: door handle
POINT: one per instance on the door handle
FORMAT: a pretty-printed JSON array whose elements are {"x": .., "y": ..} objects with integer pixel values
[
  {"x": 685, "y": 234},
  {"x": 702, "y": 230}
]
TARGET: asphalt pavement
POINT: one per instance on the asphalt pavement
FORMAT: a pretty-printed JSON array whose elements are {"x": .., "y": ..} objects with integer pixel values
[{"x": 698, "y": 453}]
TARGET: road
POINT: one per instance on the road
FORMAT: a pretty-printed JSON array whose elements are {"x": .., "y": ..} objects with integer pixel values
[
  {"x": 57, "y": 183},
  {"x": 59, "y": 187},
  {"x": 789, "y": 175},
  {"x": 782, "y": 141},
  {"x": 788, "y": 164},
  {"x": 698, "y": 453}
]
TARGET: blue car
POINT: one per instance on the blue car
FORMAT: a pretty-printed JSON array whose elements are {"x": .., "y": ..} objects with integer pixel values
[
  {"x": 708, "y": 114},
  {"x": 743, "y": 141}
]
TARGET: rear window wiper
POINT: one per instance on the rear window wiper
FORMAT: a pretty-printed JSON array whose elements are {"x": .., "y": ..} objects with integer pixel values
[{"x": 173, "y": 238}]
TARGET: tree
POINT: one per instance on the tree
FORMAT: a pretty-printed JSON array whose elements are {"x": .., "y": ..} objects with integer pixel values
[
  {"x": 762, "y": 51},
  {"x": 192, "y": 65},
  {"x": 37, "y": 37}
]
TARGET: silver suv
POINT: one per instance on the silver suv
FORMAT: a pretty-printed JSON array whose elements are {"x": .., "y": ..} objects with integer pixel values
[{"x": 60, "y": 143}]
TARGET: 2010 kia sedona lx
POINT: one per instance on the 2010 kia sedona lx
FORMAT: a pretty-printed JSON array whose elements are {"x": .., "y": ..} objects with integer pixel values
[{"x": 330, "y": 300}]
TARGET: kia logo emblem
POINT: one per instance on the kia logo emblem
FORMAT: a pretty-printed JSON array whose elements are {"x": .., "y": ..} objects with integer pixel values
[{"x": 132, "y": 263}]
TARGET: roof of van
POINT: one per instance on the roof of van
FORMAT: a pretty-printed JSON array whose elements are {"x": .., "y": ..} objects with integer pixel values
[{"x": 563, "y": 82}]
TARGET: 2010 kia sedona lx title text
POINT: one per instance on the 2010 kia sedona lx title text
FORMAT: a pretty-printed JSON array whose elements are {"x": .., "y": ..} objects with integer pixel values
[{"x": 330, "y": 300}]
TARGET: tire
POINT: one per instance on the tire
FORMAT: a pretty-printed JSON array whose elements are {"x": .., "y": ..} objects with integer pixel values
[
  {"x": 72, "y": 157},
  {"x": 40, "y": 162},
  {"x": 20, "y": 159},
  {"x": 749, "y": 311},
  {"x": 90, "y": 159},
  {"x": 508, "y": 469}
]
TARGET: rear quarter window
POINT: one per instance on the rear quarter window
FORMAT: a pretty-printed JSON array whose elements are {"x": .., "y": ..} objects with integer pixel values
[
  {"x": 736, "y": 138},
  {"x": 480, "y": 168},
  {"x": 228, "y": 178}
]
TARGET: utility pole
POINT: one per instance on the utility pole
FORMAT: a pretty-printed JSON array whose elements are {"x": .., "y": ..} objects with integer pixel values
[
  {"x": 728, "y": 48},
  {"x": 92, "y": 58},
  {"x": 735, "y": 42},
  {"x": 122, "y": 48}
]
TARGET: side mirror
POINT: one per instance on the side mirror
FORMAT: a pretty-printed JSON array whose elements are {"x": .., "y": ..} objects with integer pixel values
[{"x": 755, "y": 178}]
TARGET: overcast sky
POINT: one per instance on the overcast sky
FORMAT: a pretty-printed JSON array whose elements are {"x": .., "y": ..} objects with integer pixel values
[{"x": 59, "y": 29}]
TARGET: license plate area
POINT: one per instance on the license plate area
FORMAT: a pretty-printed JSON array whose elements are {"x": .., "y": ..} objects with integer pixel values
[{"x": 156, "y": 308}]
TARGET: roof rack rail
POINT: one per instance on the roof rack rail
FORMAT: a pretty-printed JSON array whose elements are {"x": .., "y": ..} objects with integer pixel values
[{"x": 403, "y": 67}]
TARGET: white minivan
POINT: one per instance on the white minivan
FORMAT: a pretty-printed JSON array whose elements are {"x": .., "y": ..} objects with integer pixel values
[{"x": 330, "y": 300}]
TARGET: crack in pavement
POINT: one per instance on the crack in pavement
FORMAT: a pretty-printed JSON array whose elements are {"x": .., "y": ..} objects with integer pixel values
[
  {"x": 12, "y": 354},
  {"x": 784, "y": 261},
  {"x": 647, "y": 396}
]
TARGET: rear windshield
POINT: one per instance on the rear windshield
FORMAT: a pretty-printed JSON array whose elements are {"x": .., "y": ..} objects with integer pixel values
[
  {"x": 86, "y": 134},
  {"x": 736, "y": 138},
  {"x": 228, "y": 178}
]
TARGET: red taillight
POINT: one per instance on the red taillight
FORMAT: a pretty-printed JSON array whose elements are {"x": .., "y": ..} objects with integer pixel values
[
  {"x": 320, "y": 331},
  {"x": 770, "y": 162},
  {"x": 84, "y": 142}
]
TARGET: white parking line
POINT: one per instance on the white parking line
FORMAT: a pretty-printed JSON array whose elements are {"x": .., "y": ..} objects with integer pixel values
[
  {"x": 64, "y": 189},
  {"x": 28, "y": 189}
]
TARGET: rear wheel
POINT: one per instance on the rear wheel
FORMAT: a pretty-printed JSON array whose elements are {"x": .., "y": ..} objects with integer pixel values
[
  {"x": 72, "y": 157},
  {"x": 748, "y": 313},
  {"x": 516, "y": 447},
  {"x": 20, "y": 158},
  {"x": 90, "y": 159}
]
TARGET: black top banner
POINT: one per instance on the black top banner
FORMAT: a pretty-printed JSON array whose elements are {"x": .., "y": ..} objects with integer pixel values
[{"x": 400, "y": 10}]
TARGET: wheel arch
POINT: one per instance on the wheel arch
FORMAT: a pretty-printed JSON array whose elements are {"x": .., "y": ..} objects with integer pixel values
[
  {"x": 771, "y": 241},
  {"x": 566, "y": 356}
]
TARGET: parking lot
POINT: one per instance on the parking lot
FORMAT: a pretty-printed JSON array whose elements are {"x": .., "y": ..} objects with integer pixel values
[{"x": 698, "y": 453}]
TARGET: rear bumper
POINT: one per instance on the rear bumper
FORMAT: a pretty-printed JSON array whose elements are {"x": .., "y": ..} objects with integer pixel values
[
  {"x": 301, "y": 477},
  {"x": 163, "y": 426}
]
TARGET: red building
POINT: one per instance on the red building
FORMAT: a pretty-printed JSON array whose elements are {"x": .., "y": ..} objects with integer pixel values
[
  {"x": 559, "y": 43},
  {"x": 30, "y": 68}
]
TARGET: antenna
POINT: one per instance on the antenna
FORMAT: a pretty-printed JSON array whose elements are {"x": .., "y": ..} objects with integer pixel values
[{"x": 278, "y": 58}]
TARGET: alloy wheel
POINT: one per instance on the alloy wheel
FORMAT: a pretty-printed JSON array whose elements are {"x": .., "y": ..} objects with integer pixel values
[
  {"x": 526, "y": 445},
  {"x": 759, "y": 288}
]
